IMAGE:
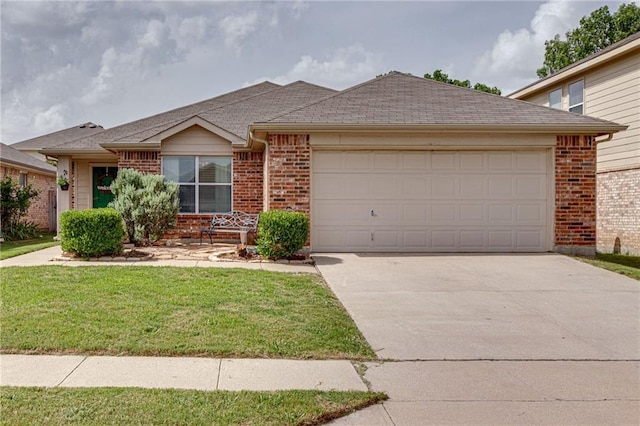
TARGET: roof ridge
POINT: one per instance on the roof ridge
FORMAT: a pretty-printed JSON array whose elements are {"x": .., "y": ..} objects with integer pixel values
[{"x": 348, "y": 89}]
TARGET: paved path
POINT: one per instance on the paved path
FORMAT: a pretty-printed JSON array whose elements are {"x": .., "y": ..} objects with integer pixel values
[
  {"x": 43, "y": 257},
  {"x": 179, "y": 373},
  {"x": 493, "y": 339}
]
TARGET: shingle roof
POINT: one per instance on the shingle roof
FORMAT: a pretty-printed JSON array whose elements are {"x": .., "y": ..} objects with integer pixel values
[
  {"x": 401, "y": 99},
  {"x": 607, "y": 49},
  {"x": 8, "y": 154},
  {"x": 139, "y": 129},
  {"x": 59, "y": 137}
]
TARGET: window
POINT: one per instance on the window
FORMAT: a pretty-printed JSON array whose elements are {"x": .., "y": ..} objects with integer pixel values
[
  {"x": 205, "y": 182},
  {"x": 555, "y": 99},
  {"x": 23, "y": 180},
  {"x": 576, "y": 97}
]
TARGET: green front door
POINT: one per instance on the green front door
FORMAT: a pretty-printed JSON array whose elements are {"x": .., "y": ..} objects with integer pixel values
[{"x": 102, "y": 178}]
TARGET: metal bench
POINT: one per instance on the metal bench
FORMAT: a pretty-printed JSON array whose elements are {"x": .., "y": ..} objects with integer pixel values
[{"x": 234, "y": 221}]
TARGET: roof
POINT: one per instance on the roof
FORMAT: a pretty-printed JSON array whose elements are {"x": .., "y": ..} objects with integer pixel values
[
  {"x": 139, "y": 130},
  {"x": 12, "y": 156},
  {"x": 607, "y": 53},
  {"x": 235, "y": 117},
  {"x": 59, "y": 137},
  {"x": 401, "y": 100}
]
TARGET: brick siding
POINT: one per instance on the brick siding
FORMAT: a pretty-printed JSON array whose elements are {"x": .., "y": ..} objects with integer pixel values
[
  {"x": 289, "y": 172},
  {"x": 575, "y": 210},
  {"x": 142, "y": 161},
  {"x": 38, "y": 211},
  {"x": 248, "y": 178},
  {"x": 619, "y": 212}
]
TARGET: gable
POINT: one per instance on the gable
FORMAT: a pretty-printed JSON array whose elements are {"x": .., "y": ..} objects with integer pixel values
[{"x": 195, "y": 140}]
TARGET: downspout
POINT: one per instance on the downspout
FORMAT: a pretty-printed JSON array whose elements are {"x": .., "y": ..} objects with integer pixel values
[{"x": 265, "y": 174}]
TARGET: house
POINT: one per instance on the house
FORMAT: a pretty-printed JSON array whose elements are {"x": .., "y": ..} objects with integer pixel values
[
  {"x": 398, "y": 163},
  {"x": 25, "y": 169},
  {"x": 35, "y": 145},
  {"x": 605, "y": 85}
]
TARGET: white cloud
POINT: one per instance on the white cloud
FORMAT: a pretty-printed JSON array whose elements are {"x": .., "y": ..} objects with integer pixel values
[
  {"x": 52, "y": 119},
  {"x": 236, "y": 28},
  {"x": 345, "y": 67},
  {"x": 515, "y": 55}
]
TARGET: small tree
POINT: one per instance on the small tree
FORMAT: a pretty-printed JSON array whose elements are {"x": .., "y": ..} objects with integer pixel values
[
  {"x": 14, "y": 202},
  {"x": 148, "y": 205}
]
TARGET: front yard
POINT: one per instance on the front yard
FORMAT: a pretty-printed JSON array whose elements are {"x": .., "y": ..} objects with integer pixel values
[
  {"x": 174, "y": 312},
  {"x": 620, "y": 263},
  {"x": 29, "y": 406},
  {"x": 16, "y": 248}
]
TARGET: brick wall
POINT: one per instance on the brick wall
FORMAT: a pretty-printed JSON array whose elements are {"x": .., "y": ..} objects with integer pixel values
[
  {"x": 38, "y": 212},
  {"x": 248, "y": 178},
  {"x": 289, "y": 168},
  {"x": 575, "y": 211},
  {"x": 142, "y": 161},
  {"x": 619, "y": 212}
]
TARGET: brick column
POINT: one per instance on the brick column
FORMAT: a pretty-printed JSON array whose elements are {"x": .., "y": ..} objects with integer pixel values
[
  {"x": 289, "y": 173},
  {"x": 575, "y": 210},
  {"x": 248, "y": 178}
]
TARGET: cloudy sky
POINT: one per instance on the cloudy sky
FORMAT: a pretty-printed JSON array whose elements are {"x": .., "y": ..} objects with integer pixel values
[{"x": 65, "y": 63}]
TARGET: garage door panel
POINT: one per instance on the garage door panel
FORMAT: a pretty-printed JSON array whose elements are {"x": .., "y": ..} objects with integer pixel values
[{"x": 438, "y": 201}]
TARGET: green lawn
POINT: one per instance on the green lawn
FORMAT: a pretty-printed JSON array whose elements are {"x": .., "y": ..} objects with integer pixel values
[
  {"x": 119, "y": 406},
  {"x": 620, "y": 263},
  {"x": 174, "y": 312},
  {"x": 16, "y": 248}
]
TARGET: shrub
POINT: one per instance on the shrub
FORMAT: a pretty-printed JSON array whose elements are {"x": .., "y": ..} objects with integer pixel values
[
  {"x": 148, "y": 205},
  {"x": 281, "y": 233},
  {"x": 14, "y": 202},
  {"x": 93, "y": 232}
]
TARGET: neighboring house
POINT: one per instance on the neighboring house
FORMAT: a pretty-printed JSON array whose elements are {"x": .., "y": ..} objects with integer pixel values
[
  {"x": 25, "y": 169},
  {"x": 35, "y": 145},
  {"x": 605, "y": 85},
  {"x": 398, "y": 163}
]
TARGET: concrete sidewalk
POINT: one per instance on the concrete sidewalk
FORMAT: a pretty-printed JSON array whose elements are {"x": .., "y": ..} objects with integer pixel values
[
  {"x": 178, "y": 373},
  {"x": 43, "y": 257}
]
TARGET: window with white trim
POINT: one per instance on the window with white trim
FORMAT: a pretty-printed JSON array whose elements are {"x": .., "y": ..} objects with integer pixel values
[
  {"x": 205, "y": 182},
  {"x": 555, "y": 99},
  {"x": 576, "y": 97}
]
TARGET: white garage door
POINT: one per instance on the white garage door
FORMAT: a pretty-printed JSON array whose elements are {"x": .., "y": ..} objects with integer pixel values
[{"x": 437, "y": 201}]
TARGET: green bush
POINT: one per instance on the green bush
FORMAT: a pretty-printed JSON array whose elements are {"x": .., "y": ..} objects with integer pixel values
[
  {"x": 148, "y": 205},
  {"x": 14, "y": 203},
  {"x": 281, "y": 233},
  {"x": 93, "y": 232}
]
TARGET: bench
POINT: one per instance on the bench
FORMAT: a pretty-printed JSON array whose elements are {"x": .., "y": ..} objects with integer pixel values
[{"x": 234, "y": 221}]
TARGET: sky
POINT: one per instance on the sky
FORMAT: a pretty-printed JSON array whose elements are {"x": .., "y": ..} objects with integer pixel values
[{"x": 66, "y": 63}]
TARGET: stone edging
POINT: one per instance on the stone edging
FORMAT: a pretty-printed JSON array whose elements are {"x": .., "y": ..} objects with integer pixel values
[{"x": 215, "y": 258}]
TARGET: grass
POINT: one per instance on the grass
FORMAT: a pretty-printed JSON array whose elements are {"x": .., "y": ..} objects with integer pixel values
[
  {"x": 620, "y": 263},
  {"x": 174, "y": 312},
  {"x": 120, "y": 406},
  {"x": 16, "y": 248}
]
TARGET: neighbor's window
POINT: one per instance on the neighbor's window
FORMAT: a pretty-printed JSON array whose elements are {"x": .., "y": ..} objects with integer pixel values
[
  {"x": 576, "y": 97},
  {"x": 205, "y": 182},
  {"x": 555, "y": 99},
  {"x": 23, "y": 180}
]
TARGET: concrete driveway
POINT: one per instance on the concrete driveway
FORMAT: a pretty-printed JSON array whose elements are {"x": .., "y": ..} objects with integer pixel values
[{"x": 493, "y": 339}]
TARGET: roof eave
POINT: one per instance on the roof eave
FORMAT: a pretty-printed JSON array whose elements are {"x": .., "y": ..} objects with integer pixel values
[
  {"x": 573, "y": 70},
  {"x": 27, "y": 167},
  {"x": 59, "y": 151},
  {"x": 556, "y": 129}
]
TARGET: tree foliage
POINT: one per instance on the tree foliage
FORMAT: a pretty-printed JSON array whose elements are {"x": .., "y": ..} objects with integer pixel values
[
  {"x": 438, "y": 75},
  {"x": 595, "y": 32},
  {"x": 14, "y": 202},
  {"x": 148, "y": 205}
]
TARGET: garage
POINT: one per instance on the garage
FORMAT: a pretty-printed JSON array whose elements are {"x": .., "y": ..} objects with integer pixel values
[{"x": 431, "y": 201}]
